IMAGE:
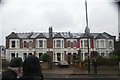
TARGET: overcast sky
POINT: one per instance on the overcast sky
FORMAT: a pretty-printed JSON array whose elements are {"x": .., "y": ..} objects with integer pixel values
[{"x": 63, "y": 15}]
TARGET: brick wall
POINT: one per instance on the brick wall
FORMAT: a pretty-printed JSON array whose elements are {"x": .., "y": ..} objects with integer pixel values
[
  {"x": 34, "y": 43},
  {"x": 21, "y": 43},
  {"x": 65, "y": 43},
  {"x": 7, "y": 44},
  {"x": 49, "y": 43}
]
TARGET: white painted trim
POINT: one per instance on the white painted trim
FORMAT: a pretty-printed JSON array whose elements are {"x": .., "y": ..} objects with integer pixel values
[
  {"x": 55, "y": 44},
  {"x": 37, "y": 43},
  {"x": 17, "y": 43}
]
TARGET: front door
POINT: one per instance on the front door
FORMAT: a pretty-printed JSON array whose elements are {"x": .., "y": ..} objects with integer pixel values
[{"x": 69, "y": 58}]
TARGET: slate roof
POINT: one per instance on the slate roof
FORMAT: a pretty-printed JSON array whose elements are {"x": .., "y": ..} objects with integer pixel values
[
  {"x": 84, "y": 35},
  {"x": 41, "y": 35},
  {"x": 66, "y": 35},
  {"x": 100, "y": 36},
  {"x": 58, "y": 35},
  {"x": 12, "y": 36}
]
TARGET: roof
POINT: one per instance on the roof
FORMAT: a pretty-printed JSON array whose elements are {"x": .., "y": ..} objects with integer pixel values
[
  {"x": 12, "y": 36},
  {"x": 41, "y": 35},
  {"x": 58, "y": 35},
  {"x": 66, "y": 35}
]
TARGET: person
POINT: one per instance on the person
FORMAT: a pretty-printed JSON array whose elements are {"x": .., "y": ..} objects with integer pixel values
[
  {"x": 32, "y": 69},
  {"x": 95, "y": 66},
  {"x": 14, "y": 68}
]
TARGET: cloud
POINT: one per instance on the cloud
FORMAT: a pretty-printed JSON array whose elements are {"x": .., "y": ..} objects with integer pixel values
[{"x": 63, "y": 15}]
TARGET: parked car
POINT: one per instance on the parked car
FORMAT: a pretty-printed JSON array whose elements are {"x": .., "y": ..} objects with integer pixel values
[{"x": 63, "y": 64}]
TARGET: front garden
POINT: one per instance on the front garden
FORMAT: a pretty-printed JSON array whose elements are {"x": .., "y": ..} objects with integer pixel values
[{"x": 111, "y": 60}]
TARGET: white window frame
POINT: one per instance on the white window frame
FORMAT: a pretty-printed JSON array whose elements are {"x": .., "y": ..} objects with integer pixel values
[
  {"x": 83, "y": 45},
  {"x": 68, "y": 44},
  {"x": 109, "y": 44},
  {"x": 44, "y": 43},
  {"x": 58, "y": 43},
  {"x": 100, "y": 44},
  {"x": 17, "y": 43},
  {"x": 61, "y": 43},
  {"x": 73, "y": 43},
  {"x": 23, "y": 43},
  {"x": 97, "y": 43},
  {"x": 29, "y": 43}
]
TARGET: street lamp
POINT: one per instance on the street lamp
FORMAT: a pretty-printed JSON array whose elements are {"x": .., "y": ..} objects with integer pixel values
[
  {"x": 87, "y": 33},
  {"x": 88, "y": 54}
]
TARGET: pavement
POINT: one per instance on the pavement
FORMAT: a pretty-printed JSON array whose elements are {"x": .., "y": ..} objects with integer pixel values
[
  {"x": 77, "y": 70},
  {"x": 76, "y": 73}
]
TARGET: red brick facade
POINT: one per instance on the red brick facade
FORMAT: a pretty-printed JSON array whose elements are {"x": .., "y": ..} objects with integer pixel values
[{"x": 49, "y": 43}]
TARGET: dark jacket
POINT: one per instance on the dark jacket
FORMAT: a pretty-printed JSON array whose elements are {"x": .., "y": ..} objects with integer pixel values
[
  {"x": 9, "y": 75},
  {"x": 31, "y": 69},
  {"x": 95, "y": 64}
]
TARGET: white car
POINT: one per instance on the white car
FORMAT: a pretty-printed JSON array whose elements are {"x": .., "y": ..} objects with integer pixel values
[{"x": 63, "y": 64}]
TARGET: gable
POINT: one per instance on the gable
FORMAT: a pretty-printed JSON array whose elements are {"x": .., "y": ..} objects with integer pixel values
[
  {"x": 58, "y": 35},
  {"x": 13, "y": 36},
  {"x": 41, "y": 35},
  {"x": 100, "y": 36}
]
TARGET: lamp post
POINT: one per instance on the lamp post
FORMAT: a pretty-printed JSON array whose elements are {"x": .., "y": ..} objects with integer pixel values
[
  {"x": 88, "y": 55},
  {"x": 87, "y": 33}
]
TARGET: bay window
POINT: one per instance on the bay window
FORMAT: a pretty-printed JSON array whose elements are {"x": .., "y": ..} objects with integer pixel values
[
  {"x": 74, "y": 43},
  {"x": 25, "y": 44},
  {"x": 69, "y": 44},
  {"x": 30, "y": 44},
  {"x": 110, "y": 44},
  {"x": 14, "y": 43},
  {"x": 100, "y": 43},
  {"x": 58, "y": 43},
  {"x": 41, "y": 43},
  {"x": 84, "y": 43}
]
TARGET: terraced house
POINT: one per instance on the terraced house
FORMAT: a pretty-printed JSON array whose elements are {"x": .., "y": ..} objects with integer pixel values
[{"x": 62, "y": 45}]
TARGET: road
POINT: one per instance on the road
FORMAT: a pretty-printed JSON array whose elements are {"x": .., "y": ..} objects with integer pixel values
[
  {"x": 75, "y": 73},
  {"x": 81, "y": 77}
]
